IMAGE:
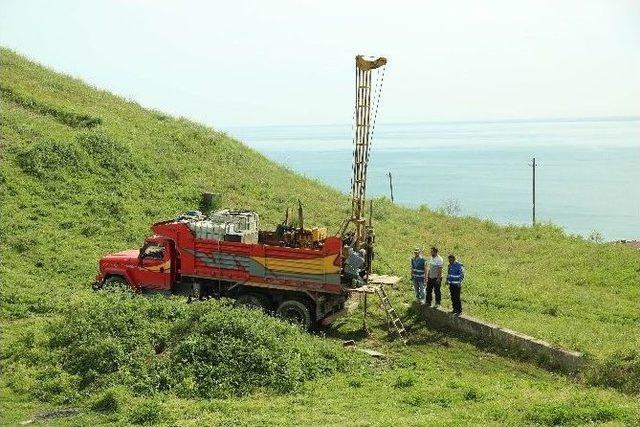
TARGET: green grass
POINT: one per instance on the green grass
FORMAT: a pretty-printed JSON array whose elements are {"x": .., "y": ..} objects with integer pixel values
[
  {"x": 85, "y": 173},
  {"x": 151, "y": 345}
]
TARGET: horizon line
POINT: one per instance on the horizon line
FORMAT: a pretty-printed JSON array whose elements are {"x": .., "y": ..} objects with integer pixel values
[{"x": 471, "y": 121}]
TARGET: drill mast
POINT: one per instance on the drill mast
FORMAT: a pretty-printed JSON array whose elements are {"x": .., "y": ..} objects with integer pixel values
[
  {"x": 362, "y": 139},
  {"x": 366, "y": 97}
]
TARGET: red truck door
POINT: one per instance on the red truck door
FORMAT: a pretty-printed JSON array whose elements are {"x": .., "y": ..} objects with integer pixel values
[{"x": 155, "y": 265}]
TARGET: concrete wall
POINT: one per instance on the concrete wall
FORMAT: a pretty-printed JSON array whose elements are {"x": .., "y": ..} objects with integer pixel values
[{"x": 494, "y": 336}]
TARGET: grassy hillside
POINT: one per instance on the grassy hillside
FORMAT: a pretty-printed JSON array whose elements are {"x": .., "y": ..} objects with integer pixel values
[{"x": 85, "y": 172}]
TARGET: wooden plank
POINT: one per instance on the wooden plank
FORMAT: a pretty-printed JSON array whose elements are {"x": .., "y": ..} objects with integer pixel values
[{"x": 383, "y": 279}]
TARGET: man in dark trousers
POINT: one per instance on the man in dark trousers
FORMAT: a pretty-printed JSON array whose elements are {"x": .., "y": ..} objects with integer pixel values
[
  {"x": 434, "y": 277},
  {"x": 417, "y": 275},
  {"x": 455, "y": 276}
]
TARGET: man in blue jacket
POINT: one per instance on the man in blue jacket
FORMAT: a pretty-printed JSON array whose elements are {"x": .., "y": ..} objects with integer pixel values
[
  {"x": 455, "y": 276},
  {"x": 417, "y": 274}
]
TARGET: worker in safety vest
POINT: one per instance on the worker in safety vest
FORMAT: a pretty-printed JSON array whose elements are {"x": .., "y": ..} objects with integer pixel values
[
  {"x": 455, "y": 276},
  {"x": 417, "y": 274}
]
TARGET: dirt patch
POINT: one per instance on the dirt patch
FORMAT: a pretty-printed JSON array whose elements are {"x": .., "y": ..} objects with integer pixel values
[
  {"x": 57, "y": 413},
  {"x": 52, "y": 414}
]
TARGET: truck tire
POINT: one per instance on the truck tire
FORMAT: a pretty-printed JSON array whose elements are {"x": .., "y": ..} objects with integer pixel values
[
  {"x": 115, "y": 283},
  {"x": 295, "y": 312},
  {"x": 254, "y": 301}
]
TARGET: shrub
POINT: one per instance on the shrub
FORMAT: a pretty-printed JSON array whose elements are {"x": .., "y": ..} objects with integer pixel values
[
  {"x": 111, "y": 155},
  {"x": 415, "y": 399},
  {"x": 208, "y": 349},
  {"x": 55, "y": 385},
  {"x": 107, "y": 402},
  {"x": 355, "y": 383},
  {"x": 147, "y": 413},
  {"x": 51, "y": 159},
  {"x": 550, "y": 310},
  {"x": 109, "y": 206},
  {"x": 232, "y": 352},
  {"x": 404, "y": 382},
  {"x": 442, "y": 400},
  {"x": 471, "y": 394}
]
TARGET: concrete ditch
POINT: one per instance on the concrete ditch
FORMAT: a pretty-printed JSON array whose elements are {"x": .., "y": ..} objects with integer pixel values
[{"x": 487, "y": 334}]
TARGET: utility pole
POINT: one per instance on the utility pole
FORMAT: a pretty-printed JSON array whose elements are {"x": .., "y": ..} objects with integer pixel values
[
  {"x": 533, "y": 167},
  {"x": 391, "y": 186}
]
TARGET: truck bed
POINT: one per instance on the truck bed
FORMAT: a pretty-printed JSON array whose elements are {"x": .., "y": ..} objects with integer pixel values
[{"x": 258, "y": 264}]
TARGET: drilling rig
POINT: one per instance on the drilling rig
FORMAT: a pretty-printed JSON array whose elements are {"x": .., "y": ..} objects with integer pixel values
[
  {"x": 296, "y": 272},
  {"x": 369, "y": 79}
]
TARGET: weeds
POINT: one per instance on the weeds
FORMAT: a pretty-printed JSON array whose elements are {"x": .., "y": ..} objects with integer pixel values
[
  {"x": 620, "y": 370},
  {"x": 147, "y": 413},
  {"x": 571, "y": 413},
  {"x": 108, "y": 402}
]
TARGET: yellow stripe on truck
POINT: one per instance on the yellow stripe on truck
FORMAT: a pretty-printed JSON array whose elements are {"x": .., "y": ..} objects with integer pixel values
[{"x": 306, "y": 266}]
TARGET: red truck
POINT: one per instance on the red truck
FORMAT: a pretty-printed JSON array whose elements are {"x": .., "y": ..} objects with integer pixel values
[{"x": 296, "y": 273}]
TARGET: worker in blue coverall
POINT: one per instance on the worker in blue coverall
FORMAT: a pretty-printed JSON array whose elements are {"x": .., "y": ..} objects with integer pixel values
[
  {"x": 455, "y": 276},
  {"x": 417, "y": 275},
  {"x": 353, "y": 264}
]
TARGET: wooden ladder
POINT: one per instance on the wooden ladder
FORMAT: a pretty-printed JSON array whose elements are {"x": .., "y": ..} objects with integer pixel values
[{"x": 392, "y": 316}]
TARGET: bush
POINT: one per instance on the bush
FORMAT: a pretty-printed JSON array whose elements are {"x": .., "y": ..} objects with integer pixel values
[
  {"x": 232, "y": 352},
  {"x": 50, "y": 159},
  {"x": 415, "y": 399},
  {"x": 471, "y": 394},
  {"x": 108, "y": 402},
  {"x": 55, "y": 385},
  {"x": 147, "y": 413},
  {"x": 404, "y": 381},
  {"x": 208, "y": 349},
  {"x": 111, "y": 155}
]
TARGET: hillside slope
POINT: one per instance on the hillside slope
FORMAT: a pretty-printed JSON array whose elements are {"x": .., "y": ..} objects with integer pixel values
[
  {"x": 76, "y": 192},
  {"x": 85, "y": 172}
]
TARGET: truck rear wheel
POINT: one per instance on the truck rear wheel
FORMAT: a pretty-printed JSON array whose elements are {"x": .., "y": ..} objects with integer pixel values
[
  {"x": 254, "y": 301},
  {"x": 295, "y": 312}
]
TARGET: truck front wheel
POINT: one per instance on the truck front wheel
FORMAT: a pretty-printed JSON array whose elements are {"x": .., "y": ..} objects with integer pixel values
[
  {"x": 254, "y": 301},
  {"x": 295, "y": 312},
  {"x": 115, "y": 283}
]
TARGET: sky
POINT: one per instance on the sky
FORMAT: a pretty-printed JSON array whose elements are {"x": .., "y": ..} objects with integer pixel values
[{"x": 247, "y": 63}]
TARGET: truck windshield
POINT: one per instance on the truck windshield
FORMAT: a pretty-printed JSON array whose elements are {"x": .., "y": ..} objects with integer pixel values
[{"x": 152, "y": 250}]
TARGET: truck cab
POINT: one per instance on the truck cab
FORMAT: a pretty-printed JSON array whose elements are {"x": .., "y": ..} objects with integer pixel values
[{"x": 152, "y": 267}]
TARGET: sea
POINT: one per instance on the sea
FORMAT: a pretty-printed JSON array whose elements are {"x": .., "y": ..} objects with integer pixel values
[{"x": 587, "y": 170}]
